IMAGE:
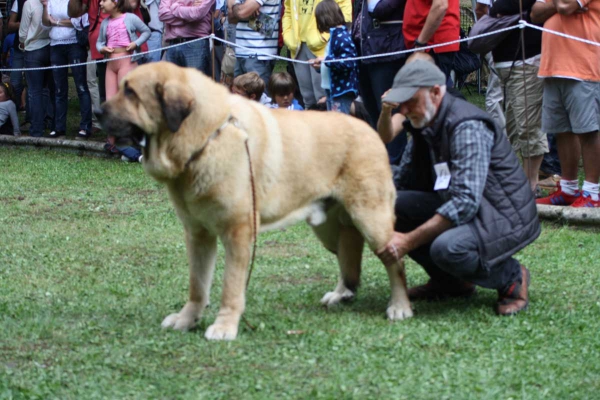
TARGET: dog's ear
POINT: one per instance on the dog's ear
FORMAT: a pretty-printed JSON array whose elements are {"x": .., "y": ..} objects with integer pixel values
[{"x": 176, "y": 102}]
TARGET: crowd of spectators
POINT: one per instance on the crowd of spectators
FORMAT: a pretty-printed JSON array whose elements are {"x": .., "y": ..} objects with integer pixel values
[{"x": 548, "y": 106}]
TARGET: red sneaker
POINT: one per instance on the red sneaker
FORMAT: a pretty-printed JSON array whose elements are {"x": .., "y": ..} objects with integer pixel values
[
  {"x": 559, "y": 198},
  {"x": 585, "y": 200}
]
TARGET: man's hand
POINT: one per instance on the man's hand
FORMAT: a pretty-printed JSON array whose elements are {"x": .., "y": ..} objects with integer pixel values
[
  {"x": 388, "y": 106},
  {"x": 107, "y": 50},
  {"x": 397, "y": 247}
]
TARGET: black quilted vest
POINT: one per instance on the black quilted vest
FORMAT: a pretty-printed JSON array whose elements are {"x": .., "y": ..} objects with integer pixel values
[{"x": 507, "y": 219}]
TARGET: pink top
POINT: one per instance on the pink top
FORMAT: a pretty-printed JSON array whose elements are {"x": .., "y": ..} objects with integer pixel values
[
  {"x": 183, "y": 19},
  {"x": 116, "y": 33}
]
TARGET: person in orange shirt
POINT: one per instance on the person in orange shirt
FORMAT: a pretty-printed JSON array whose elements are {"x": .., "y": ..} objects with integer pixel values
[{"x": 571, "y": 101}]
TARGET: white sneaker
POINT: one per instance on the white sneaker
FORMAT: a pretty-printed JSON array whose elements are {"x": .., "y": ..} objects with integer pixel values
[{"x": 140, "y": 159}]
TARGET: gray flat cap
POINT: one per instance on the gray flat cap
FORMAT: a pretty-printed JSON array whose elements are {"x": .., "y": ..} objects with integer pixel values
[{"x": 412, "y": 77}]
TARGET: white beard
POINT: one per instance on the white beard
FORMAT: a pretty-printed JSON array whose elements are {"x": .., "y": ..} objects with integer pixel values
[{"x": 429, "y": 114}]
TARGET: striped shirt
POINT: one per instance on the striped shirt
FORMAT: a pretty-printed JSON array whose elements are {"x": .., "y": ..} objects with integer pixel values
[
  {"x": 257, "y": 41},
  {"x": 470, "y": 154}
]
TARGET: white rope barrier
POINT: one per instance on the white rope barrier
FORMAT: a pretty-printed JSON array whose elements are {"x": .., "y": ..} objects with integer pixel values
[
  {"x": 539, "y": 28},
  {"x": 381, "y": 55},
  {"x": 521, "y": 25}
]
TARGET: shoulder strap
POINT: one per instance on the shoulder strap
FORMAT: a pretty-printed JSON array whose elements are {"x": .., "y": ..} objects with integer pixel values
[{"x": 97, "y": 18}]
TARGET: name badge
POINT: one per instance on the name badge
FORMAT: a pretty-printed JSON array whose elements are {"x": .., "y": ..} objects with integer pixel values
[{"x": 443, "y": 176}]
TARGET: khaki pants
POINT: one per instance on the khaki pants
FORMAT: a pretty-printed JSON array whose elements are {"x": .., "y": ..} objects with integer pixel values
[
  {"x": 524, "y": 124},
  {"x": 92, "y": 82}
]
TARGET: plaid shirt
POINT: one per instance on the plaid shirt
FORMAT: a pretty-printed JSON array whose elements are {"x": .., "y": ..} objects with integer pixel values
[{"x": 470, "y": 153}]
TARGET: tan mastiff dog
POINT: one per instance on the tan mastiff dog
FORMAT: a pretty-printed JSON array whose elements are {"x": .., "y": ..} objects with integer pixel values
[{"x": 327, "y": 168}]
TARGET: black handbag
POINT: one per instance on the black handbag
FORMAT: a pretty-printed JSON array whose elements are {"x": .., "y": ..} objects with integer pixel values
[
  {"x": 487, "y": 24},
  {"x": 82, "y": 35},
  {"x": 145, "y": 12}
]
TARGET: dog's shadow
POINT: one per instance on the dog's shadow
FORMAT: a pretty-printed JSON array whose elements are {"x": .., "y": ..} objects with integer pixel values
[{"x": 372, "y": 303}]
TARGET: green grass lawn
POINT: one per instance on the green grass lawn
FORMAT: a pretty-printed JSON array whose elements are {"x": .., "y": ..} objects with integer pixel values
[{"x": 92, "y": 259}]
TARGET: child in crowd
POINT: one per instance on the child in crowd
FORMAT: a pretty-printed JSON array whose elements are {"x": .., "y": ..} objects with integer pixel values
[
  {"x": 250, "y": 86},
  {"x": 118, "y": 38},
  {"x": 339, "y": 79},
  {"x": 9, "y": 120},
  {"x": 282, "y": 88}
]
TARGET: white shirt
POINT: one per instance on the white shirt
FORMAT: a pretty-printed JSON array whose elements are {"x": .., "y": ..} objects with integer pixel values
[
  {"x": 32, "y": 32},
  {"x": 60, "y": 34}
]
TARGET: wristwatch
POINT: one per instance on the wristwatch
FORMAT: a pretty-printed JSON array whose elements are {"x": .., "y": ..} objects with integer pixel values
[{"x": 419, "y": 44}]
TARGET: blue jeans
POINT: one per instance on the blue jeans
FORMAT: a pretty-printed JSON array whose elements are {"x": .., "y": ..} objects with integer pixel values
[
  {"x": 194, "y": 55},
  {"x": 374, "y": 79},
  {"x": 341, "y": 103},
  {"x": 264, "y": 68},
  {"x": 454, "y": 256},
  {"x": 131, "y": 153},
  {"x": 16, "y": 80},
  {"x": 37, "y": 82},
  {"x": 65, "y": 54},
  {"x": 155, "y": 42}
]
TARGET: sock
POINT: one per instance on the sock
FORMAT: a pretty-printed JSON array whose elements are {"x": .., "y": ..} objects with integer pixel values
[
  {"x": 592, "y": 189},
  {"x": 569, "y": 187}
]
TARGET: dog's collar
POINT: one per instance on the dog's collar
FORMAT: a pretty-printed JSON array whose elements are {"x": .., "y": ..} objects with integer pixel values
[{"x": 195, "y": 155}]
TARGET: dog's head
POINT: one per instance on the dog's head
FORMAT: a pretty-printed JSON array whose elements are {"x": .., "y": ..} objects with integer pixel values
[{"x": 160, "y": 105}]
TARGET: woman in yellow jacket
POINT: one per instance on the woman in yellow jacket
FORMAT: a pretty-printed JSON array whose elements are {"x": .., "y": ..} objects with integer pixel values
[{"x": 305, "y": 42}]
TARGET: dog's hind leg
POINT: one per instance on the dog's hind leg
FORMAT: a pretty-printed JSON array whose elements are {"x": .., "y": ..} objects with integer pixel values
[
  {"x": 342, "y": 238},
  {"x": 202, "y": 251},
  {"x": 375, "y": 218},
  {"x": 237, "y": 241}
]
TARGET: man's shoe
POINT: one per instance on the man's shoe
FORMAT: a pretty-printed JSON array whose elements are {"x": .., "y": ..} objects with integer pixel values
[
  {"x": 435, "y": 291},
  {"x": 516, "y": 297},
  {"x": 559, "y": 198},
  {"x": 585, "y": 200}
]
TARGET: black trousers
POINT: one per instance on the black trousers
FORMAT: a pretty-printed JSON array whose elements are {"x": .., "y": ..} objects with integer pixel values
[{"x": 453, "y": 257}]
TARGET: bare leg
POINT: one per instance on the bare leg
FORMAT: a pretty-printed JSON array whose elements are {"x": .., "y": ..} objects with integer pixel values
[
  {"x": 590, "y": 149},
  {"x": 569, "y": 152},
  {"x": 532, "y": 166},
  {"x": 237, "y": 256},
  {"x": 202, "y": 250}
]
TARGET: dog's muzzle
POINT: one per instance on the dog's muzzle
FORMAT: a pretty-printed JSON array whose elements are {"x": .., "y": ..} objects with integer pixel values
[{"x": 119, "y": 128}]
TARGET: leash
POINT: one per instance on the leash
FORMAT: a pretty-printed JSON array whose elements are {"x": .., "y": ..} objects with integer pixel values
[
  {"x": 254, "y": 230},
  {"x": 231, "y": 120}
]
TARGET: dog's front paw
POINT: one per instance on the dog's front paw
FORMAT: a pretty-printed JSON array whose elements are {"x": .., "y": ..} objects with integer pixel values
[
  {"x": 398, "y": 312},
  {"x": 332, "y": 298},
  {"x": 179, "y": 322},
  {"x": 220, "y": 331}
]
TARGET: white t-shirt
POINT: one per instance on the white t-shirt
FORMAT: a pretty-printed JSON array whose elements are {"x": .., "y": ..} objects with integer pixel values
[{"x": 258, "y": 41}]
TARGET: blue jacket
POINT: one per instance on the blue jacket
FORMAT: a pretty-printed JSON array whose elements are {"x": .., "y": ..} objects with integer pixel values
[
  {"x": 133, "y": 24},
  {"x": 371, "y": 37},
  {"x": 344, "y": 75}
]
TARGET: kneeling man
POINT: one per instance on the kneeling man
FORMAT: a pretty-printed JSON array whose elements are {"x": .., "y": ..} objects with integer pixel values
[{"x": 464, "y": 205}]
